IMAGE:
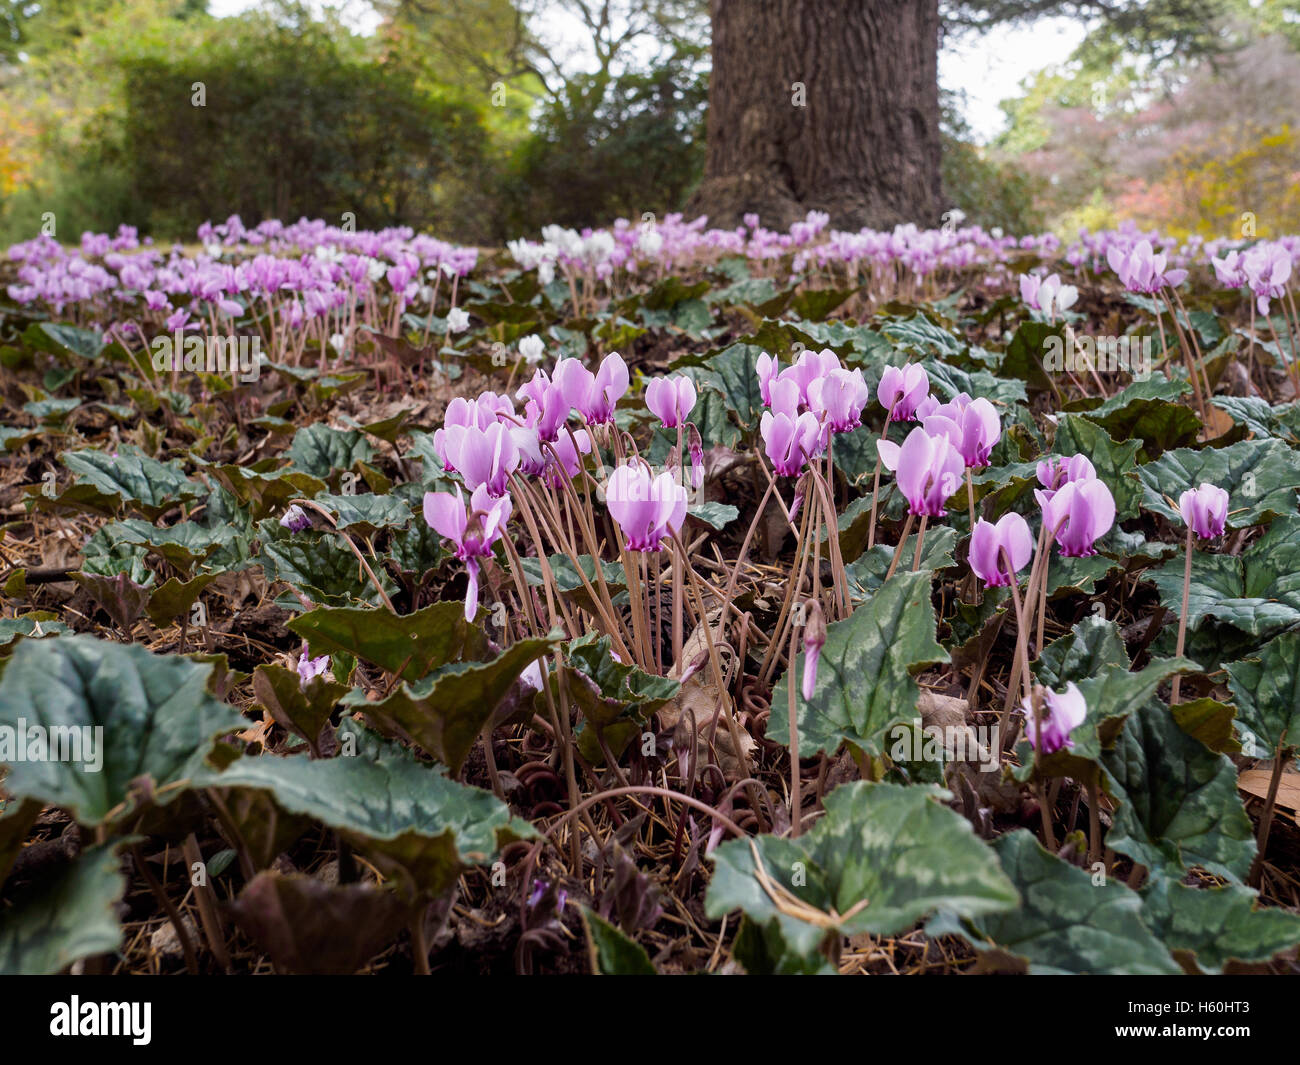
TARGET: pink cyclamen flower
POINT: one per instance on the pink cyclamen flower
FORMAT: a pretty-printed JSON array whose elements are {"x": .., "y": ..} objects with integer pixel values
[
  {"x": 1230, "y": 270},
  {"x": 811, "y": 366},
  {"x": 1268, "y": 268},
  {"x": 612, "y": 383},
  {"x": 838, "y": 399},
  {"x": 1054, "y": 472},
  {"x": 670, "y": 399},
  {"x": 1063, "y": 712},
  {"x": 481, "y": 413},
  {"x": 902, "y": 390},
  {"x": 790, "y": 442},
  {"x": 1205, "y": 510},
  {"x": 473, "y": 533},
  {"x": 574, "y": 381},
  {"x": 648, "y": 509},
  {"x": 568, "y": 458},
  {"x": 992, "y": 545},
  {"x": 1047, "y": 294},
  {"x": 814, "y": 639},
  {"x": 484, "y": 457},
  {"x": 1142, "y": 270},
  {"x": 546, "y": 403},
  {"x": 696, "y": 447},
  {"x": 928, "y": 469},
  {"x": 594, "y": 396},
  {"x": 295, "y": 519},
  {"x": 309, "y": 668},
  {"x": 972, "y": 426},
  {"x": 768, "y": 369},
  {"x": 1079, "y": 515}
]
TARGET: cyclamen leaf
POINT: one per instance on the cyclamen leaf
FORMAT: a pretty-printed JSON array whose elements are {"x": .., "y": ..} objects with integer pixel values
[
  {"x": 158, "y": 723},
  {"x": 1179, "y": 803},
  {"x": 1065, "y": 924},
  {"x": 133, "y": 478},
  {"x": 1112, "y": 695},
  {"x": 882, "y": 858},
  {"x": 1266, "y": 688},
  {"x": 319, "y": 450},
  {"x": 1214, "y": 926},
  {"x": 864, "y": 677},
  {"x": 1257, "y": 591},
  {"x": 392, "y": 805},
  {"x": 409, "y": 645},
  {"x": 612, "y": 953},
  {"x": 1093, "y": 644},
  {"x": 445, "y": 713},
  {"x": 66, "y": 918}
]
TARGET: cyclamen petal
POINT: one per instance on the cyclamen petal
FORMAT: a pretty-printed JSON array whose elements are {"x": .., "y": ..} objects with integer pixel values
[
  {"x": 989, "y": 543},
  {"x": 902, "y": 390},
  {"x": 929, "y": 471},
  {"x": 646, "y": 509},
  {"x": 1062, "y": 713},
  {"x": 1205, "y": 510},
  {"x": 671, "y": 399}
]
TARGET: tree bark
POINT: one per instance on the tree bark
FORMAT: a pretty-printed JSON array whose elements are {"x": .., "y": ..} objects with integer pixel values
[{"x": 828, "y": 105}]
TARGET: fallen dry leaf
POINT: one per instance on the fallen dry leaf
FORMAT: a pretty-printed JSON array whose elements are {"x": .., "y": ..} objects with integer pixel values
[
  {"x": 699, "y": 697},
  {"x": 1255, "y": 782}
]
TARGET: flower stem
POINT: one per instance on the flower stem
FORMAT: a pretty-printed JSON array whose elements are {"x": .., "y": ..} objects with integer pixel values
[
  {"x": 1182, "y": 617},
  {"x": 875, "y": 484},
  {"x": 898, "y": 551}
]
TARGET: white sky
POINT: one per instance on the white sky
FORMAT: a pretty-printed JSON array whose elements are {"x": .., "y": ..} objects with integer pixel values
[{"x": 989, "y": 67}]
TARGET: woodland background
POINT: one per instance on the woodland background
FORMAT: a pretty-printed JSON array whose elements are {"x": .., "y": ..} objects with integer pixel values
[{"x": 455, "y": 116}]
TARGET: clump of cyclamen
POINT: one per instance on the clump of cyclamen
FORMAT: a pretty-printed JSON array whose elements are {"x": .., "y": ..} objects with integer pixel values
[{"x": 807, "y": 403}]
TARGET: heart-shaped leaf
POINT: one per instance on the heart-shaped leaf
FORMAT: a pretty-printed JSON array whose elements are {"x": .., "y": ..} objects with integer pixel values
[
  {"x": 864, "y": 677},
  {"x": 1179, "y": 803},
  {"x": 410, "y": 646},
  {"x": 406, "y": 813},
  {"x": 1267, "y": 690},
  {"x": 1066, "y": 922},
  {"x": 66, "y": 918},
  {"x": 444, "y": 713},
  {"x": 133, "y": 478},
  {"x": 319, "y": 450},
  {"x": 128, "y": 721},
  {"x": 613, "y": 953},
  {"x": 882, "y": 858},
  {"x": 1257, "y": 591},
  {"x": 1216, "y": 925}
]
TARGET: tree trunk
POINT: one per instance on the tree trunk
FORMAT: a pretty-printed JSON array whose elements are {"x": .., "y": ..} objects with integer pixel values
[{"x": 828, "y": 105}]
